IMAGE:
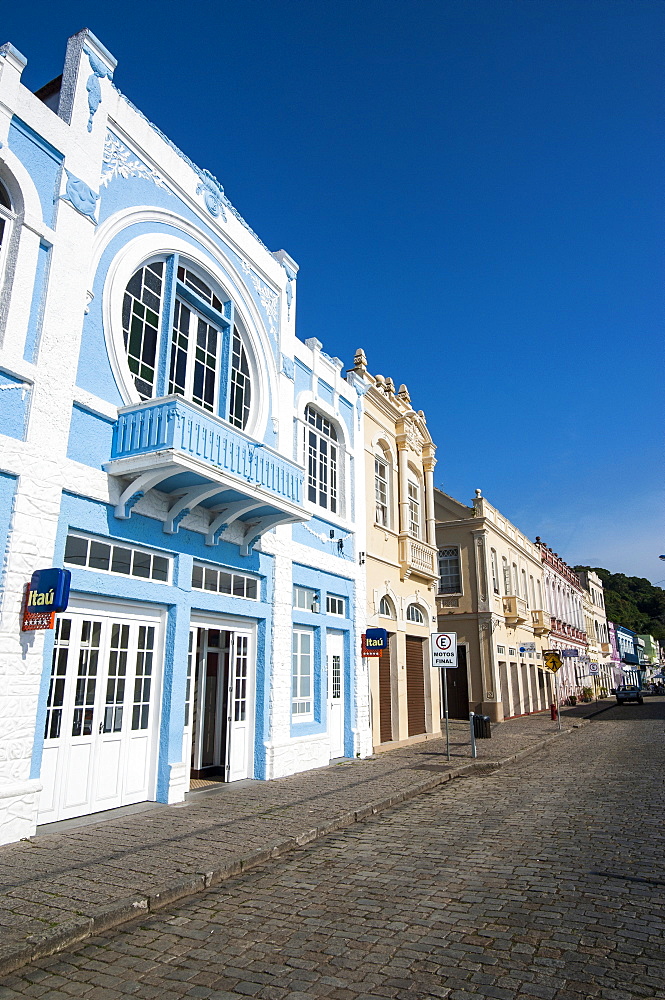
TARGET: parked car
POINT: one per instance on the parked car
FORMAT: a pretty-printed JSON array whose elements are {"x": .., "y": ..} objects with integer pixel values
[{"x": 629, "y": 693}]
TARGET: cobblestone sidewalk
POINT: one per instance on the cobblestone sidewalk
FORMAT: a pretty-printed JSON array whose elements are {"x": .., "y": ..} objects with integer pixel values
[{"x": 64, "y": 884}]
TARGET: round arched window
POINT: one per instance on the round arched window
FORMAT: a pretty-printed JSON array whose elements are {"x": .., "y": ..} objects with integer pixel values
[
  {"x": 182, "y": 338},
  {"x": 415, "y": 614},
  {"x": 386, "y": 609},
  {"x": 5, "y": 216}
]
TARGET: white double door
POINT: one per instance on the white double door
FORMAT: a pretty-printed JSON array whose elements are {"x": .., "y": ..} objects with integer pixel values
[
  {"x": 219, "y": 714},
  {"x": 102, "y": 713},
  {"x": 335, "y": 667}
]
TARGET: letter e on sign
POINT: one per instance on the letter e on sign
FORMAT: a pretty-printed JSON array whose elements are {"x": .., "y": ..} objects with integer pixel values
[{"x": 444, "y": 650}]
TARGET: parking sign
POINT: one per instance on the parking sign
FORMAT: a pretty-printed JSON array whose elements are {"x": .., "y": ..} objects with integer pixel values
[{"x": 444, "y": 650}]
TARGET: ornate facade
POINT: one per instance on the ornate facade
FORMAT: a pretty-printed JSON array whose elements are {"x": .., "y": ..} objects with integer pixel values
[
  {"x": 166, "y": 438},
  {"x": 491, "y": 594},
  {"x": 401, "y": 560}
]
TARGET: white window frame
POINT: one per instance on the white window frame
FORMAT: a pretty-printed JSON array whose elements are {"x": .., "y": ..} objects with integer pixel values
[
  {"x": 415, "y": 614},
  {"x": 304, "y": 598},
  {"x": 389, "y": 605},
  {"x": 381, "y": 492},
  {"x": 495, "y": 571},
  {"x": 414, "y": 499},
  {"x": 9, "y": 218},
  {"x": 302, "y": 675},
  {"x": 448, "y": 549},
  {"x": 119, "y": 544},
  {"x": 206, "y": 576},
  {"x": 335, "y": 600},
  {"x": 323, "y": 460}
]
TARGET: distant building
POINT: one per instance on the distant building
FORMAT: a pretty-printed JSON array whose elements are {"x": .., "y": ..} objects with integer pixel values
[
  {"x": 599, "y": 649},
  {"x": 491, "y": 594},
  {"x": 651, "y": 651},
  {"x": 564, "y": 603}
]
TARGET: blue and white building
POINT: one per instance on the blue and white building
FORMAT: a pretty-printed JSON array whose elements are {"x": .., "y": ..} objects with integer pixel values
[{"x": 166, "y": 437}]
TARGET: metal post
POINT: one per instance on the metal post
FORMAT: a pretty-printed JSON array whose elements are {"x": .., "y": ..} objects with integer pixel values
[
  {"x": 474, "y": 749},
  {"x": 445, "y": 702},
  {"x": 558, "y": 706}
]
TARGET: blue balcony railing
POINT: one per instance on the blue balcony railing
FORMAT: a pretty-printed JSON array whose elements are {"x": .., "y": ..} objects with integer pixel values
[{"x": 174, "y": 424}]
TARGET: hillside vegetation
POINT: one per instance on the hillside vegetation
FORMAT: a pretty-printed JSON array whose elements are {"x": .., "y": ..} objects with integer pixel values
[{"x": 633, "y": 602}]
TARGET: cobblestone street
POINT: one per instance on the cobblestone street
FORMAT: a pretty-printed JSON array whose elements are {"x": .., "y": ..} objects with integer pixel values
[{"x": 543, "y": 880}]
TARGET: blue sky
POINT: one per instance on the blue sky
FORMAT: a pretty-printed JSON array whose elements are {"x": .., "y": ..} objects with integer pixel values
[{"x": 473, "y": 191}]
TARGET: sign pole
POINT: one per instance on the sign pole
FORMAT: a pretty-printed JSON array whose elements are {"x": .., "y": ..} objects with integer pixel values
[
  {"x": 558, "y": 705},
  {"x": 445, "y": 702}
]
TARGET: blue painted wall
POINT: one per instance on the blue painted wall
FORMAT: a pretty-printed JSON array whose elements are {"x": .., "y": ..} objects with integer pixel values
[
  {"x": 90, "y": 437},
  {"x": 7, "y": 490},
  {"x": 43, "y": 161},
  {"x": 14, "y": 403},
  {"x": 37, "y": 305}
]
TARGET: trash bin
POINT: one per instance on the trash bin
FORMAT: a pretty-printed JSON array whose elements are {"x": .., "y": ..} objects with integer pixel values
[{"x": 481, "y": 727}]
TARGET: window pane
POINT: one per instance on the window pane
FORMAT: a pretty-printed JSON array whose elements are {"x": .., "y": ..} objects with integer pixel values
[
  {"x": 141, "y": 565},
  {"x": 211, "y": 580},
  {"x": 224, "y": 583},
  {"x": 141, "y": 325},
  {"x": 197, "y": 576},
  {"x": 251, "y": 589},
  {"x": 160, "y": 569},
  {"x": 99, "y": 555},
  {"x": 122, "y": 560},
  {"x": 76, "y": 551}
]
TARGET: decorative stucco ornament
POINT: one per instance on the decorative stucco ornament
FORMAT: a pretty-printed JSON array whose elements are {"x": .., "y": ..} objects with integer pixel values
[
  {"x": 99, "y": 72},
  {"x": 288, "y": 367},
  {"x": 119, "y": 161},
  {"x": 290, "y": 281},
  {"x": 81, "y": 196},
  {"x": 268, "y": 299},
  {"x": 213, "y": 194}
]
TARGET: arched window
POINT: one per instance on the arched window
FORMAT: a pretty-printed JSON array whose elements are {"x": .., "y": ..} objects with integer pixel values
[
  {"x": 525, "y": 592},
  {"x": 386, "y": 609},
  {"x": 195, "y": 350},
  {"x": 381, "y": 491},
  {"x": 495, "y": 571},
  {"x": 414, "y": 508},
  {"x": 415, "y": 614},
  {"x": 321, "y": 449},
  {"x": 506, "y": 576},
  {"x": 6, "y": 219}
]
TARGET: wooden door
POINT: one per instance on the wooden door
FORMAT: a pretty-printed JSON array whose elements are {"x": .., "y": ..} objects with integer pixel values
[
  {"x": 415, "y": 685},
  {"x": 458, "y": 687},
  {"x": 385, "y": 698}
]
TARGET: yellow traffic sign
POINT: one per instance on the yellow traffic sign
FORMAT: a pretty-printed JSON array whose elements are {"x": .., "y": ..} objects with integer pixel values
[{"x": 552, "y": 661}]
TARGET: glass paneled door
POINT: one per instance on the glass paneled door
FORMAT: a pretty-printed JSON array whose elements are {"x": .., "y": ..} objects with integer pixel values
[
  {"x": 101, "y": 716},
  {"x": 335, "y": 663},
  {"x": 220, "y": 716}
]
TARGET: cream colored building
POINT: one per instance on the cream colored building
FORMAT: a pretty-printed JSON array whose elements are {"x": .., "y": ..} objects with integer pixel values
[
  {"x": 401, "y": 562},
  {"x": 490, "y": 592},
  {"x": 595, "y": 623}
]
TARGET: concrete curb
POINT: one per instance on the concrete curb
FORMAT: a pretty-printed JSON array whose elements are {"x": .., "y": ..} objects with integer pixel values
[{"x": 75, "y": 930}]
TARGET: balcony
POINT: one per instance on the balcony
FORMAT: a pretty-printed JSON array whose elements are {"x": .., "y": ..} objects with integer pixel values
[
  {"x": 515, "y": 610},
  {"x": 417, "y": 559},
  {"x": 541, "y": 622},
  {"x": 201, "y": 461}
]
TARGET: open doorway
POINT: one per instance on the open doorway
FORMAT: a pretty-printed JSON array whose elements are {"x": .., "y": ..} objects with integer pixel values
[{"x": 221, "y": 709}]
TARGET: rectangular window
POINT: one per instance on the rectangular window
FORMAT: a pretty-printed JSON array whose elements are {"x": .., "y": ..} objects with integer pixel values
[
  {"x": 450, "y": 580},
  {"x": 495, "y": 572},
  {"x": 414, "y": 510},
  {"x": 381, "y": 492},
  {"x": 511, "y": 651},
  {"x": 143, "y": 679},
  {"x": 501, "y": 649},
  {"x": 109, "y": 558},
  {"x": 302, "y": 675},
  {"x": 221, "y": 581},
  {"x": 335, "y": 605},
  {"x": 305, "y": 599}
]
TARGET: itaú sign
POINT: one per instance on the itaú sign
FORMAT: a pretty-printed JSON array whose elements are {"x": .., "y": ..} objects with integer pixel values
[
  {"x": 374, "y": 641},
  {"x": 49, "y": 590}
]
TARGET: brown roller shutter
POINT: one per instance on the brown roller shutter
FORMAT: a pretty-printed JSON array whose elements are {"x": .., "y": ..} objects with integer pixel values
[
  {"x": 385, "y": 698},
  {"x": 415, "y": 685}
]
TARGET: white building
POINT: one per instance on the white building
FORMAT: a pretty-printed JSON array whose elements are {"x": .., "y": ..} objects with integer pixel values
[{"x": 166, "y": 438}]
